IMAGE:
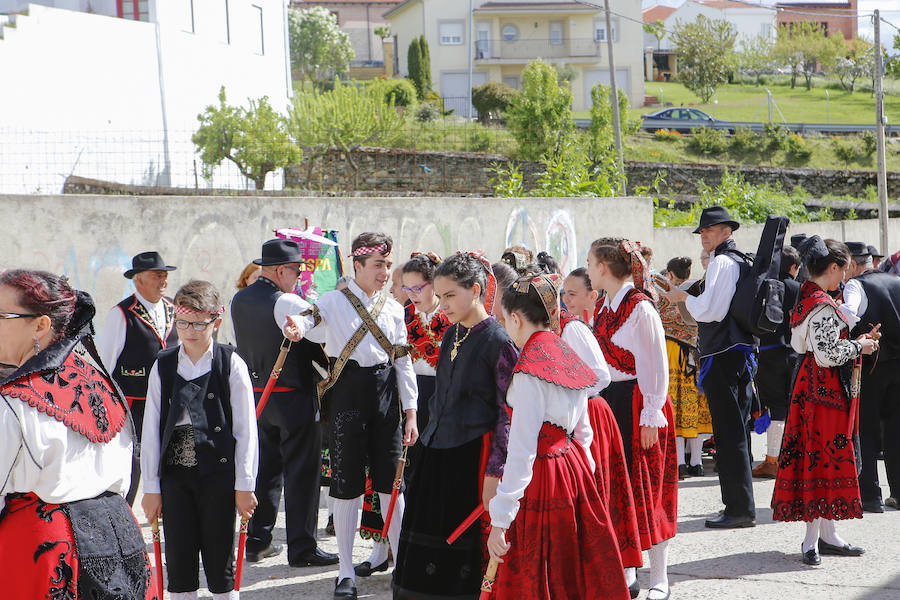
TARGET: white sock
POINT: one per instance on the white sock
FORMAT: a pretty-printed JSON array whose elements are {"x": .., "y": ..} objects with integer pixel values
[
  {"x": 379, "y": 553},
  {"x": 630, "y": 575},
  {"x": 812, "y": 535},
  {"x": 329, "y": 502},
  {"x": 181, "y": 595},
  {"x": 232, "y": 595},
  {"x": 773, "y": 438},
  {"x": 679, "y": 449},
  {"x": 695, "y": 445},
  {"x": 396, "y": 520},
  {"x": 659, "y": 576},
  {"x": 829, "y": 533},
  {"x": 346, "y": 522}
]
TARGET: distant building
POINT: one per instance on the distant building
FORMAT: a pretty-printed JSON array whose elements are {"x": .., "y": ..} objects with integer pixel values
[{"x": 831, "y": 15}]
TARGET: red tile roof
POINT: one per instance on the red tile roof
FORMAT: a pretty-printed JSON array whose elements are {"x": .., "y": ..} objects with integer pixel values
[{"x": 657, "y": 13}]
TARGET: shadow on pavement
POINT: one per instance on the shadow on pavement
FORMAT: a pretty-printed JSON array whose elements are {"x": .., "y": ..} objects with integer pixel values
[{"x": 740, "y": 564}]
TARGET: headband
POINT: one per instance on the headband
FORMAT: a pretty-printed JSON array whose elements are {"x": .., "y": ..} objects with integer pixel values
[
  {"x": 491, "y": 291},
  {"x": 184, "y": 310},
  {"x": 364, "y": 250},
  {"x": 547, "y": 286},
  {"x": 434, "y": 258},
  {"x": 631, "y": 252}
]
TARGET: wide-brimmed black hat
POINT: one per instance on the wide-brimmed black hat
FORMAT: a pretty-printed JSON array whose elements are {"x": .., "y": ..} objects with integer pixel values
[
  {"x": 873, "y": 251},
  {"x": 797, "y": 239},
  {"x": 279, "y": 252},
  {"x": 858, "y": 249},
  {"x": 147, "y": 261},
  {"x": 716, "y": 215}
]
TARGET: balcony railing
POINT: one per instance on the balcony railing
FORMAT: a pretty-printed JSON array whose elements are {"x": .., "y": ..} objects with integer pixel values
[{"x": 527, "y": 49}]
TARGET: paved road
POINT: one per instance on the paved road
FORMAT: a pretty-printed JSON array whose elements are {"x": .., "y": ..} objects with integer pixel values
[{"x": 746, "y": 564}]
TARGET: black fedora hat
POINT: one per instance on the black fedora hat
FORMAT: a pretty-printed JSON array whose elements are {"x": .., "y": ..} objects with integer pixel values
[
  {"x": 147, "y": 261},
  {"x": 874, "y": 252},
  {"x": 279, "y": 252},
  {"x": 716, "y": 215},
  {"x": 858, "y": 249}
]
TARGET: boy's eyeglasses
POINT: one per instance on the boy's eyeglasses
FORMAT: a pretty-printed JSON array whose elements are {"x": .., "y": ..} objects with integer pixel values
[
  {"x": 195, "y": 325},
  {"x": 9, "y": 315}
]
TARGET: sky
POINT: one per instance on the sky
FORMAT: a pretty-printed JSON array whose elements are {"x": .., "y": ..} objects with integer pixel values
[{"x": 890, "y": 11}]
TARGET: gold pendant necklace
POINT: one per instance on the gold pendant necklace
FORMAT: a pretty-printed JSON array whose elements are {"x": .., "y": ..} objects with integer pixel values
[{"x": 457, "y": 342}]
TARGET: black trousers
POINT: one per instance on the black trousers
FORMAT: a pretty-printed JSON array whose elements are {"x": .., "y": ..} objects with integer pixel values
[
  {"x": 774, "y": 379},
  {"x": 198, "y": 520},
  {"x": 879, "y": 429},
  {"x": 727, "y": 389},
  {"x": 137, "y": 414},
  {"x": 290, "y": 458}
]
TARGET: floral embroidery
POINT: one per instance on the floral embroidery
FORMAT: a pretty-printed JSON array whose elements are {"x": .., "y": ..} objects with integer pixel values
[{"x": 425, "y": 338}]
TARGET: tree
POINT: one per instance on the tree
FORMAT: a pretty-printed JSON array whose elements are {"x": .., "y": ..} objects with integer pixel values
[
  {"x": 254, "y": 139},
  {"x": 787, "y": 53},
  {"x": 491, "y": 99},
  {"x": 414, "y": 66},
  {"x": 383, "y": 31},
  {"x": 706, "y": 52},
  {"x": 857, "y": 63},
  {"x": 757, "y": 56},
  {"x": 657, "y": 30},
  {"x": 540, "y": 115},
  {"x": 320, "y": 51},
  {"x": 807, "y": 50},
  {"x": 601, "y": 132},
  {"x": 425, "y": 66}
]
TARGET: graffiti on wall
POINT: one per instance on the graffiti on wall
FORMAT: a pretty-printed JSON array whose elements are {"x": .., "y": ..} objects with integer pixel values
[{"x": 557, "y": 237}]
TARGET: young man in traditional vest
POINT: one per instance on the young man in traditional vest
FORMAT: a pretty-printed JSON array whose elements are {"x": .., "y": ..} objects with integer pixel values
[
  {"x": 364, "y": 333},
  {"x": 871, "y": 298},
  {"x": 725, "y": 372},
  {"x": 289, "y": 434},
  {"x": 136, "y": 330}
]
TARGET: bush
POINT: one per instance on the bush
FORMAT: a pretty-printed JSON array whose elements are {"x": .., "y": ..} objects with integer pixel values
[
  {"x": 775, "y": 134},
  {"x": 666, "y": 135},
  {"x": 797, "y": 148},
  {"x": 869, "y": 143},
  {"x": 491, "y": 99},
  {"x": 426, "y": 112},
  {"x": 845, "y": 151},
  {"x": 436, "y": 99},
  {"x": 479, "y": 140},
  {"x": 745, "y": 141},
  {"x": 540, "y": 116},
  {"x": 707, "y": 140},
  {"x": 399, "y": 92}
]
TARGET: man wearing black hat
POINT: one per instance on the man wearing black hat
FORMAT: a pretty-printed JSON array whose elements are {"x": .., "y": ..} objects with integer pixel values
[
  {"x": 725, "y": 372},
  {"x": 871, "y": 298},
  {"x": 136, "y": 329},
  {"x": 289, "y": 435},
  {"x": 876, "y": 256}
]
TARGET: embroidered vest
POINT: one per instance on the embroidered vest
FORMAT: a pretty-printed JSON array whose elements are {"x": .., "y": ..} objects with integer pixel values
[
  {"x": 425, "y": 338},
  {"x": 608, "y": 323},
  {"x": 142, "y": 344}
]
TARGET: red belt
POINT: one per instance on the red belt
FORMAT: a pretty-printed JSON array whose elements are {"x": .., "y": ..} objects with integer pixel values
[{"x": 277, "y": 388}]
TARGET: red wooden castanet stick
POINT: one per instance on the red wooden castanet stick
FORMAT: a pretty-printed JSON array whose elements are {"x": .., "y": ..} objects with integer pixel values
[
  {"x": 398, "y": 481},
  {"x": 242, "y": 544},
  {"x": 157, "y": 554},
  {"x": 487, "y": 584},
  {"x": 273, "y": 377},
  {"x": 466, "y": 524}
]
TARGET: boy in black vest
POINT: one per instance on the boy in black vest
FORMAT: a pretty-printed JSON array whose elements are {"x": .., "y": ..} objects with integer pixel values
[{"x": 200, "y": 452}]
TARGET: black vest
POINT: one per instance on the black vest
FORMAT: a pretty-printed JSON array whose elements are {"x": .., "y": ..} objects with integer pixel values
[
  {"x": 259, "y": 340},
  {"x": 208, "y": 401},
  {"x": 464, "y": 404},
  {"x": 883, "y": 295},
  {"x": 782, "y": 335},
  {"x": 718, "y": 336},
  {"x": 142, "y": 344}
]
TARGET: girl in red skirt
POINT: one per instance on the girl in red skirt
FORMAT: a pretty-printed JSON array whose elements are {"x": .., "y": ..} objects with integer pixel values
[
  {"x": 632, "y": 338},
  {"x": 548, "y": 522},
  {"x": 817, "y": 469}
]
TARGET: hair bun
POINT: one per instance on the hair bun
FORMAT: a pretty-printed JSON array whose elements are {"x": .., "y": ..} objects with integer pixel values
[{"x": 813, "y": 248}]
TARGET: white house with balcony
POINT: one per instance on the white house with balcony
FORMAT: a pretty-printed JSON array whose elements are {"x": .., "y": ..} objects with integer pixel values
[
  {"x": 111, "y": 89},
  {"x": 500, "y": 37}
]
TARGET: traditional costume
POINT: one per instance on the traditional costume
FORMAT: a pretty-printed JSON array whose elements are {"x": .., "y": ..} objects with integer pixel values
[
  {"x": 200, "y": 446},
  {"x": 464, "y": 441},
  {"x": 817, "y": 466},
  {"x": 562, "y": 543},
  {"x": 607, "y": 450},
  {"x": 66, "y": 453},
  {"x": 135, "y": 331}
]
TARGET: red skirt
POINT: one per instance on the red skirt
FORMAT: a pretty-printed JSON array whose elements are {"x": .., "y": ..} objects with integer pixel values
[
  {"x": 37, "y": 551},
  {"x": 613, "y": 482},
  {"x": 817, "y": 470},
  {"x": 562, "y": 541}
]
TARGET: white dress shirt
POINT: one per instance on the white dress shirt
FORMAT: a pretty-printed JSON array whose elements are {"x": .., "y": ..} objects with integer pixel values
[
  {"x": 855, "y": 301},
  {"x": 642, "y": 334},
  {"x": 40, "y": 454},
  {"x": 721, "y": 282},
  {"x": 580, "y": 339},
  {"x": 112, "y": 339},
  {"x": 340, "y": 322},
  {"x": 534, "y": 401},
  {"x": 820, "y": 333},
  {"x": 243, "y": 420}
]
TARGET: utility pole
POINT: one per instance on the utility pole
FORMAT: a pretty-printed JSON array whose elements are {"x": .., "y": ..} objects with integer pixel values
[
  {"x": 471, "y": 43},
  {"x": 879, "y": 137},
  {"x": 614, "y": 100}
]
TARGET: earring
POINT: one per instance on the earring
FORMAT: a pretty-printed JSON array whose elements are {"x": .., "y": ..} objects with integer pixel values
[{"x": 37, "y": 347}]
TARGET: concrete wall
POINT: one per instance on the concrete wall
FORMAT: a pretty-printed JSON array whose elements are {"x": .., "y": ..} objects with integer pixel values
[{"x": 92, "y": 238}]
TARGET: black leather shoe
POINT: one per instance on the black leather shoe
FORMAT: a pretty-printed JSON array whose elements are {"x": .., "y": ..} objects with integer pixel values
[
  {"x": 365, "y": 568},
  {"x": 873, "y": 506},
  {"x": 634, "y": 590},
  {"x": 270, "y": 550},
  {"x": 695, "y": 470},
  {"x": 892, "y": 502},
  {"x": 683, "y": 472},
  {"x": 811, "y": 557},
  {"x": 316, "y": 558},
  {"x": 845, "y": 550},
  {"x": 345, "y": 589},
  {"x": 659, "y": 594},
  {"x": 724, "y": 521}
]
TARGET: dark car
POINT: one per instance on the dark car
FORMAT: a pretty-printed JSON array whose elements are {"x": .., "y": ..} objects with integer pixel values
[{"x": 680, "y": 119}]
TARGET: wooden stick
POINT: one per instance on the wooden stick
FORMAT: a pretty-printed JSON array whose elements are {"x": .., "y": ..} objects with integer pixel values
[
  {"x": 487, "y": 584},
  {"x": 466, "y": 524},
  {"x": 273, "y": 377}
]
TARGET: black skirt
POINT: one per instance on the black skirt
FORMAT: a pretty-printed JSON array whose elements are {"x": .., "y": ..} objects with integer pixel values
[{"x": 443, "y": 492}]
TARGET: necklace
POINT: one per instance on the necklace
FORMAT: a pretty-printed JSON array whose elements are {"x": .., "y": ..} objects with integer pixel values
[{"x": 457, "y": 342}]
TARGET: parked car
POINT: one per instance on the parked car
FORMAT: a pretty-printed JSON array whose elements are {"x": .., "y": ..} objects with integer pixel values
[{"x": 679, "y": 119}]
